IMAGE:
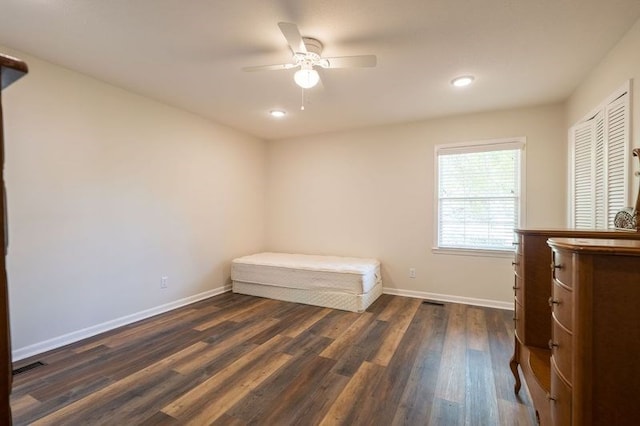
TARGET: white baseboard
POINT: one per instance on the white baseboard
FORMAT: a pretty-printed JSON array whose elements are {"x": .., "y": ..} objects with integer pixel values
[
  {"x": 449, "y": 298},
  {"x": 56, "y": 342}
]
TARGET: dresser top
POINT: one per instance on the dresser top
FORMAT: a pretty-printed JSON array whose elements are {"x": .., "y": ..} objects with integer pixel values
[
  {"x": 620, "y": 247},
  {"x": 580, "y": 233}
]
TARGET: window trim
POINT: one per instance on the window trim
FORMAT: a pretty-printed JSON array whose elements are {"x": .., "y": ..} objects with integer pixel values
[{"x": 481, "y": 145}]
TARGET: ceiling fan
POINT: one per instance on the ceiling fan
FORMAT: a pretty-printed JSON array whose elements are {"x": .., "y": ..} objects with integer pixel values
[{"x": 307, "y": 55}]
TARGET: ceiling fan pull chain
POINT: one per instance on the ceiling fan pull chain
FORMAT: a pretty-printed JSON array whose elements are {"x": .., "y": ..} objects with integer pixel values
[{"x": 302, "y": 101}]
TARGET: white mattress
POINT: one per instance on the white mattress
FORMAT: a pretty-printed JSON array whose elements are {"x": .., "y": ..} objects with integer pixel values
[
  {"x": 308, "y": 272},
  {"x": 328, "y": 299}
]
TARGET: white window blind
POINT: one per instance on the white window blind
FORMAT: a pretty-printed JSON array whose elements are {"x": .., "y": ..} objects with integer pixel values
[
  {"x": 478, "y": 195},
  {"x": 600, "y": 147}
]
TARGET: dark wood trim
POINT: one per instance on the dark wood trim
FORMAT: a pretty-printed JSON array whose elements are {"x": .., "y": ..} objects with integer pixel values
[
  {"x": 11, "y": 69},
  {"x": 5, "y": 333}
]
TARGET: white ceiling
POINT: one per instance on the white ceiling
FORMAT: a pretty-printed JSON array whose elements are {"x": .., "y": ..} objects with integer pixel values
[{"x": 189, "y": 53}]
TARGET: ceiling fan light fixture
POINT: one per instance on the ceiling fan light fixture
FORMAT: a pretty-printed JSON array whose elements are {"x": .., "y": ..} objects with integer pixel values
[
  {"x": 462, "y": 81},
  {"x": 306, "y": 78}
]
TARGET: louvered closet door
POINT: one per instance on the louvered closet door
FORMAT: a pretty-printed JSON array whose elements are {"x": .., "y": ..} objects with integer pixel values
[
  {"x": 601, "y": 150},
  {"x": 583, "y": 177},
  {"x": 616, "y": 137},
  {"x": 600, "y": 172}
]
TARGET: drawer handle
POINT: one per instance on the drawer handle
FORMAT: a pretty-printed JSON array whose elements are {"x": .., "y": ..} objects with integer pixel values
[
  {"x": 554, "y": 266},
  {"x": 514, "y": 263},
  {"x": 551, "y": 398},
  {"x": 553, "y": 301},
  {"x": 514, "y": 319},
  {"x": 515, "y": 243},
  {"x": 515, "y": 287},
  {"x": 552, "y": 344}
]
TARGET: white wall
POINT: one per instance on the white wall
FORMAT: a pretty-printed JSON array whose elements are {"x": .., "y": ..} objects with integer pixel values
[
  {"x": 107, "y": 192},
  {"x": 621, "y": 64},
  {"x": 370, "y": 193}
]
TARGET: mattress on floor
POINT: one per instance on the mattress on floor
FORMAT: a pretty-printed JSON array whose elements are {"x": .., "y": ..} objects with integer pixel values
[
  {"x": 308, "y": 272},
  {"x": 325, "y": 298}
]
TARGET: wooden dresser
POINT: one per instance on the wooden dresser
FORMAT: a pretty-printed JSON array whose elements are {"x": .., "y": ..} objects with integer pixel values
[
  {"x": 535, "y": 294},
  {"x": 595, "y": 344}
]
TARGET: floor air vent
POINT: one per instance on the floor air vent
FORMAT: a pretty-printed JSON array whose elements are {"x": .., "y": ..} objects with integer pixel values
[
  {"x": 432, "y": 302},
  {"x": 28, "y": 367}
]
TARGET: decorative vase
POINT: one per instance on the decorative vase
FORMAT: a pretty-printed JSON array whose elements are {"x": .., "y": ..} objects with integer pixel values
[{"x": 627, "y": 218}]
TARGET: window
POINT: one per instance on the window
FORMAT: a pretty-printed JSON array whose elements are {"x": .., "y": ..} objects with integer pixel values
[
  {"x": 599, "y": 152},
  {"x": 479, "y": 194}
]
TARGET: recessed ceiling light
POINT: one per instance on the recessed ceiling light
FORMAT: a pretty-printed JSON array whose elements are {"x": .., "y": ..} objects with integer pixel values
[
  {"x": 465, "y": 80},
  {"x": 278, "y": 113}
]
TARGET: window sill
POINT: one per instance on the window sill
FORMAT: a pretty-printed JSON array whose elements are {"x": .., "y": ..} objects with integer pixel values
[{"x": 473, "y": 252}]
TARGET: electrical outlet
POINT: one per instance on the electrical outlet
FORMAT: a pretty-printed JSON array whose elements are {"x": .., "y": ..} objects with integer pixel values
[
  {"x": 164, "y": 281},
  {"x": 412, "y": 272}
]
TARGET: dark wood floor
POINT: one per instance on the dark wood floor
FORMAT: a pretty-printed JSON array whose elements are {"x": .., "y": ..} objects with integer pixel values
[{"x": 236, "y": 360}]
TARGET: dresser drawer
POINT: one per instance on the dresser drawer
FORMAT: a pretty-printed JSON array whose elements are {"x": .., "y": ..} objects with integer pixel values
[
  {"x": 561, "y": 303},
  {"x": 562, "y": 268},
  {"x": 560, "y": 400},
  {"x": 518, "y": 289},
  {"x": 518, "y": 244},
  {"x": 518, "y": 319},
  {"x": 561, "y": 346},
  {"x": 517, "y": 265}
]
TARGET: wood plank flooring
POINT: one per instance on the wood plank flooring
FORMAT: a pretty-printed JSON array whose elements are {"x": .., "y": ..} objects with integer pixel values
[{"x": 239, "y": 360}]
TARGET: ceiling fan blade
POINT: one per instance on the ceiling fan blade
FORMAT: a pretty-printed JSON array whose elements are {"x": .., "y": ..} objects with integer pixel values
[
  {"x": 292, "y": 34},
  {"x": 269, "y": 67},
  {"x": 351, "y": 61}
]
